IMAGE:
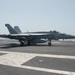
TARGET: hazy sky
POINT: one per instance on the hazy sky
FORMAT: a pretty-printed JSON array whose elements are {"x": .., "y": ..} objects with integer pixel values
[{"x": 38, "y": 15}]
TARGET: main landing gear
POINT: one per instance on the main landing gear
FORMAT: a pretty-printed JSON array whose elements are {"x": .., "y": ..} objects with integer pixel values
[
  {"x": 22, "y": 43},
  {"x": 28, "y": 43}
]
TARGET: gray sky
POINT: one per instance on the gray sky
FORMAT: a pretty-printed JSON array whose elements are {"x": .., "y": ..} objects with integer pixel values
[{"x": 38, "y": 15}]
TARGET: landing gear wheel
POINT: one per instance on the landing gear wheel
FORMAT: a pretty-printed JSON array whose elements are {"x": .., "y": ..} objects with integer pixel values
[
  {"x": 22, "y": 43},
  {"x": 28, "y": 43},
  {"x": 49, "y": 43}
]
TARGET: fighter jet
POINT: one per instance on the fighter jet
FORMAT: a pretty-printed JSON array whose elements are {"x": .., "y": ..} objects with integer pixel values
[
  {"x": 26, "y": 38},
  {"x": 54, "y": 34}
]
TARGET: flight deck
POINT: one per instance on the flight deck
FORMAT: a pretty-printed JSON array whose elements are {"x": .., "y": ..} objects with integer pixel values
[{"x": 37, "y": 59}]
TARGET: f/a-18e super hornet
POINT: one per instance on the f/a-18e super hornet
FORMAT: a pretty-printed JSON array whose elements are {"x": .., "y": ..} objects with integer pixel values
[{"x": 34, "y": 37}]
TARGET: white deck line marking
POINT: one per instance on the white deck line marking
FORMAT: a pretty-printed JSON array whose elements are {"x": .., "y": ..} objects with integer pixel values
[
  {"x": 49, "y": 70},
  {"x": 15, "y": 59},
  {"x": 43, "y": 55}
]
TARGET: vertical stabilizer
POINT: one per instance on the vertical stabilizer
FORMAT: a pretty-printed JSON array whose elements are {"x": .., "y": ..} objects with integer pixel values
[
  {"x": 17, "y": 29},
  {"x": 11, "y": 30}
]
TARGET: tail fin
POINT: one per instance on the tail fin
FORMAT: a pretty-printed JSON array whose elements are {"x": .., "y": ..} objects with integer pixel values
[
  {"x": 17, "y": 29},
  {"x": 11, "y": 30}
]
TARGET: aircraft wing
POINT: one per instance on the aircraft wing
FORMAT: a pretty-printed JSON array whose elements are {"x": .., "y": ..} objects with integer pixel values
[
  {"x": 21, "y": 36},
  {"x": 15, "y": 36}
]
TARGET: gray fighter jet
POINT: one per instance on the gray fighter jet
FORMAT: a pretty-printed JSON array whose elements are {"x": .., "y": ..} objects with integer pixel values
[{"x": 34, "y": 37}]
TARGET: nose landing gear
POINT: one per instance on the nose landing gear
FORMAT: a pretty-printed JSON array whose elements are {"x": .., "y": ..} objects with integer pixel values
[{"x": 49, "y": 43}]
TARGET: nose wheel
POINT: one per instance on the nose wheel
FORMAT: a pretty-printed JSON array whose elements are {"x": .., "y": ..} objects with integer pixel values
[{"x": 49, "y": 43}]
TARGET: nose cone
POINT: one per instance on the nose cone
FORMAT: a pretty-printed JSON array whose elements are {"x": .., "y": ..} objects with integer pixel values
[
  {"x": 66, "y": 36},
  {"x": 71, "y": 36}
]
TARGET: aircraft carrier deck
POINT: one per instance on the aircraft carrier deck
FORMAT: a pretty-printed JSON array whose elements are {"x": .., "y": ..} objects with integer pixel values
[{"x": 39, "y": 59}]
